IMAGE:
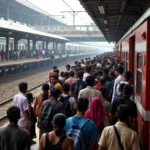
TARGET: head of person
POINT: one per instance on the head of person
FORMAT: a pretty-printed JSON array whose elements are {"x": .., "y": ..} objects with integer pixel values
[
  {"x": 45, "y": 89},
  {"x": 88, "y": 69},
  {"x": 56, "y": 71},
  {"x": 106, "y": 71},
  {"x": 90, "y": 80},
  {"x": 54, "y": 79},
  {"x": 54, "y": 67},
  {"x": 121, "y": 86},
  {"x": 112, "y": 75},
  {"x": 102, "y": 80},
  {"x": 119, "y": 71},
  {"x": 29, "y": 97},
  {"x": 104, "y": 92},
  {"x": 117, "y": 62},
  {"x": 82, "y": 105},
  {"x": 123, "y": 112},
  {"x": 66, "y": 75},
  {"x": 59, "y": 122},
  {"x": 80, "y": 75},
  {"x": 71, "y": 74},
  {"x": 75, "y": 62},
  {"x": 127, "y": 90},
  {"x": 23, "y": 86},
  {"x": 13, "y": 114},
  {"x": 62, "y": 73},
  {"x": 55, "y": 93},
  {"x": 68, "y": 67},
  {"x": 127, "y": 76},
  {"x": 66, "y": 88}
]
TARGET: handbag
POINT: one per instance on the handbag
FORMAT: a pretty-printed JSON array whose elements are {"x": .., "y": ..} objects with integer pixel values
[{"x": 118, "y": 137}]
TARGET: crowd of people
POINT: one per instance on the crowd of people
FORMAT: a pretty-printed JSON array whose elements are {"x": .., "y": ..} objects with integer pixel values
[{"x": 89, "y": 106}]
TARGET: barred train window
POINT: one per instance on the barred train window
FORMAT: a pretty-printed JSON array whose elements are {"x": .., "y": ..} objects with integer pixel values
[{"x": 139, "y": 76}]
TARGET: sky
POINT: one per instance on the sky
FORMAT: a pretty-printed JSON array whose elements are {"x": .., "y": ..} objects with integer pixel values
[{"x": 54, "y": 7}]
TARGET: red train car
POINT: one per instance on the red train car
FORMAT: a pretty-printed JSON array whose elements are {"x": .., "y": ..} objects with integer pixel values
[{"x": 134, "y": 50}]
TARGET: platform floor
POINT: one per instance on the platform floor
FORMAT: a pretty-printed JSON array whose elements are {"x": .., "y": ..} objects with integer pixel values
[{"x": 28, "y": 60}]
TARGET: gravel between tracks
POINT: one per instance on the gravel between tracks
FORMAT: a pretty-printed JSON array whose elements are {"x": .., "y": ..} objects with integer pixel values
[{"x": 8, "y": 90}]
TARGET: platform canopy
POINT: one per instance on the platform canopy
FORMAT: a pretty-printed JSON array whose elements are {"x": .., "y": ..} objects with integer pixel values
[
  {"x": 11, "y": 29},
  {"x": 115, "y": 17}
]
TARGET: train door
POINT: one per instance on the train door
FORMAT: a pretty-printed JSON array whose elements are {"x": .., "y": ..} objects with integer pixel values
[{"x": 132, "y": 57}]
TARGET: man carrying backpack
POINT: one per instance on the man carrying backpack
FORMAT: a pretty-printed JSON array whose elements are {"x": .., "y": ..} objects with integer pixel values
[
  {"x": 68, "y": 101},
  {"x": 78, "y": 85},
  {"x": 48, "y": 110},
  {"x": 82, "y": 130}
]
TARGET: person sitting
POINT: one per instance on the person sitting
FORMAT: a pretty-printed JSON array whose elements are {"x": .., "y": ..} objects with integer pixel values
[
  {"x": 56, "y": 139},
  {"x": 89, "y": 130},
  {"x": 126, "y": 137},
  {"x": 12, "y": 137}
]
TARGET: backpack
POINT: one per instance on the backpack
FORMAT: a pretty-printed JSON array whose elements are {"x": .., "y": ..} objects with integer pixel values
[
  {"x": 45, "y": 116},
  {"x": 76, "y": 133},
  {"x": 77, "y": 88},
  {"x": 66, "y": 103}
]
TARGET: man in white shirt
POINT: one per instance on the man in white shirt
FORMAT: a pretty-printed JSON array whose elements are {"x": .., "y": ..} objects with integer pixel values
[
  {"x": 21, "y": 101},
  {"x": 87, "y": 73},
  {"x": 118, "y": 73},
  {"x": 90, "y": 92},
  {"x": 126, "y": 78}
]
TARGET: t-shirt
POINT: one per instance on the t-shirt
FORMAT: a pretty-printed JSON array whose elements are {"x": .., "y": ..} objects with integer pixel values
[
  {"x": 89, "y": 131},
  {"x": 14, "y": 138},
  {"x": 21, "y": 101}
]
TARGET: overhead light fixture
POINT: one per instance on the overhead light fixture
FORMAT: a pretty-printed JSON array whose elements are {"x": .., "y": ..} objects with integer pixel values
[
  {"x": 107, "y": 29},
  {"x": 101, "y": 9},
  {"x": 105, "y": 21}
]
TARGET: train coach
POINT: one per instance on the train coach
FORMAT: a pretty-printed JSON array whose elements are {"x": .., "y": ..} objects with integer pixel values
[{"x": 134, "y": 50}]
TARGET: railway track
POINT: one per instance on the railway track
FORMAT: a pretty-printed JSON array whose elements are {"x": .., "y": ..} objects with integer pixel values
[{"x": 7, "y": 103}]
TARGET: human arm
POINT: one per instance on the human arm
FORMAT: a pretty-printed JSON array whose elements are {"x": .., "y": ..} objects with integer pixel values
[
  {"x": 42, "y": 143},
  {"x": 135, "y": 143},
  {"x": 101, "y": 148},
  {"x": 71, "y": 144},
  {"x": 26, "y": 110}
]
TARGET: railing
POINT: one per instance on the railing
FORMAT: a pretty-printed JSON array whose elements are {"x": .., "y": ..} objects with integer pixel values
[{"x": 79, "y": 29}]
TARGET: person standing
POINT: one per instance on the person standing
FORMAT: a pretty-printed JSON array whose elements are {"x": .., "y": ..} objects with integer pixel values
[
  {"x": 119, "y": 136},
  {"x": 12, "y": 137},
  {"x": 20, "y": 100}
]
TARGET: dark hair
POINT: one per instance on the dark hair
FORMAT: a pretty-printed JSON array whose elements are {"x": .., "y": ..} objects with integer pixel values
[
  {"x": 119, "y": 69},
  {"x": 66, "y": 74},
  {"x": 102, "y": 80},
  {"x": 45, "y": 89},
  {"x": 99, "y": 73},
  {"x": 121, "y": 86},
  {"x": 62, "y": 74},
  {"x": 13, "y": 113},
  {"x": 66, "y": 87},
  {"x": 54, "y": 67},
  {"x": 68, "y": 66},
  {"x": 104, "y": 92},
  {"x": 23, "y": 86},
  {"x": 90, "y": 80},
  {"x": 29, "y": 97},
  {"x": 123, "y": 112},
  {"x": 82, "y": 104},
  {"x": 127, "y": 90},
  {"x": 106, "y": 70},
  {"x": 127, "y": 75},
  {"x": 80, "y": 74},
  {"x": 56, "y": 71},
  {"x": 54, "y": 76},
  {"x": 55, "y": 92},
  {"x": 88, "y": 68},
  {"x": 59, "y": 121},
  {"x": 71, "y": 74}
]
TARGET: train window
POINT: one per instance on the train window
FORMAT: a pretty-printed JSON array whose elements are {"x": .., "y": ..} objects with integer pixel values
[{"x": 139, "y": 76}]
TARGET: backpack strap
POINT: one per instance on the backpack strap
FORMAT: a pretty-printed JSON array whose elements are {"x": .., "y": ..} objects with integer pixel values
[
  {"x": 81, "y": 125},
  {"x": 118, "y": 138},
  {"x": 70, "y": 121}
]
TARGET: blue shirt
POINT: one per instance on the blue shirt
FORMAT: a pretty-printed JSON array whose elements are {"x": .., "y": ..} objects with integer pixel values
[{"x": 89, "y": 131}]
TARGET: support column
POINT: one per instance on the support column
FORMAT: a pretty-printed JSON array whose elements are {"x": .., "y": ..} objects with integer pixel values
[
  {"x": 43, "y": 45},
  {"x": 28, "y": 44},
  {"x": 15, "y": 44},
  {"x": 7, "y": 48},
  {"x": 47, "y": 45},
  {"x": 56, "y": 48},
  {"x": 34, "y": 45}
]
